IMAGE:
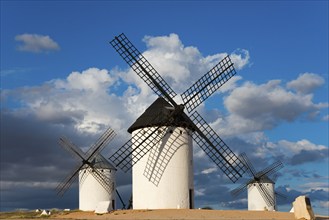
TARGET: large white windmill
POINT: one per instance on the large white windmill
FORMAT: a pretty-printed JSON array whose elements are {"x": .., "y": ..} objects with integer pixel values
[
  {"x": 96, "y": 174},
  {"x": 162, "y": 137},
  {"x": 260, "y": 188},
  {"x": 169, "y": 159}
]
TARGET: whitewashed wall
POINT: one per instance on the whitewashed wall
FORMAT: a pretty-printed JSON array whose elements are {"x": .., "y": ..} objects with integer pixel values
[
  {"x": 163, "y": 178},
  {"x": 256, "y": 200},
  {"x": 91, "y": 192}
]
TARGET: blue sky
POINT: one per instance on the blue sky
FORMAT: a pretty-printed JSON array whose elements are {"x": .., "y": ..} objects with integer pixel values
[{"x": 60, "y": 76}]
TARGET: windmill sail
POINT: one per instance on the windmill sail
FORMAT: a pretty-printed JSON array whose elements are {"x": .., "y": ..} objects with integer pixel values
[
  {"x": 93, "y": 164},
  {"x": 259, "y": 184},
  {"x": 222, "y": 72}
]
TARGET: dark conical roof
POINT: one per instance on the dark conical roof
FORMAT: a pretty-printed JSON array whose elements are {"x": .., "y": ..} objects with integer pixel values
[
  {"x": 264, "y": 179},
  {"x": 101, "y": 162},
  {"x": 157, "y": 115}
]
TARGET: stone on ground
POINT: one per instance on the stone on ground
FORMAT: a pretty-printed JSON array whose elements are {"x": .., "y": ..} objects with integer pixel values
[{"x": 303, "y": 209}]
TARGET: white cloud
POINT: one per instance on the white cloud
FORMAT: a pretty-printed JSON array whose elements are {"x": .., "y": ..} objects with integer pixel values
[
  {"x": 240, "y": 58},
  {"x": 324, "y": 204},
  {"x": 36, "y": 43},
  {"x": 91, "y": 80},
  {"x": 209, "y": 170},
  {"x": 199, "y": 192},
  {"x": 306, "y": 187},
  {"x": 6, "y": 185},
  {"x": 253, "y": 107},
  {"x": 296, "y": 147},
  {"x": 182, "y": 65},
  {"x": 306, "y": 83},
  {"x": 13, "y": 71},
  {"x": 81, "y": 97},
  {"x": 292, "y": 153}
]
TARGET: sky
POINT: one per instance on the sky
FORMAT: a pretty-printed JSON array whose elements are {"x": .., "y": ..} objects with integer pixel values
[{"x": 61, "y": 77}]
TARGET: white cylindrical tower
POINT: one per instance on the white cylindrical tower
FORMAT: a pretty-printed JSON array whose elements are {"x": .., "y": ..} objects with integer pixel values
[
  {"x": 91, "y": 191},
  {"x": 163, "y": 177},
  {"x": 256, "y": 200}
]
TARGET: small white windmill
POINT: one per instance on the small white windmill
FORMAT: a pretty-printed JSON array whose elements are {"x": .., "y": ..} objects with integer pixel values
[
  {"x": 96, "y": 174},
  {"x": 260, "y": 188}
]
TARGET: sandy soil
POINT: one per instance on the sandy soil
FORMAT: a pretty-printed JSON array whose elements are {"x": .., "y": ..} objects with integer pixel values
[{"x": 180, "y": 214}]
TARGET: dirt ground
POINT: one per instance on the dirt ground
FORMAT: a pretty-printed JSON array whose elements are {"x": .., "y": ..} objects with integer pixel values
[
  {"x": 165, "y": 214},
  {"x": 182, "y": 214}
]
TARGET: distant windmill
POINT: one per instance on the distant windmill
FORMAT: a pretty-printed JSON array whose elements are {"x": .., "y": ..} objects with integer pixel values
[
  {"x": 261, "y": 191},
  {"x": 96, "y": 174},
  {"x": 161, "y": 137}
]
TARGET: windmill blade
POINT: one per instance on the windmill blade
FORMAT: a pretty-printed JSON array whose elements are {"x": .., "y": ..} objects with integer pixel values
[
  {"x": 270, "y": 169},
  {"x": 126, "y": 156},
  {"x": 280, "y": 195},
  {"x": 67, "y": 182},
  {"x": 208, "y": 84},
  {"x": 216, "y": 149},
  {"x": 237, "y": 191},
  {"x": 105, "y": 181},
  {"x": 83, "y": 177},
  {"x": 160, "y": 156},
  {"x": 142, "y": 67},
  {"x": 265, "y": 194},
  {"x": 100, "y": 144},
  {"x": 121, "y": 200},
  {"x": 130, "y": 204},
  {"x": 72, "y": 148},
  {"x": 251, "y": 169},
  {"x": 274, "y": 178}
]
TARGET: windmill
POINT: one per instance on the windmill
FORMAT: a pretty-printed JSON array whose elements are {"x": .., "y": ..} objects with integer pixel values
[
  {"x": 161, "y": 140},
  {"x": 96, "y": 174},
  {"x": 261, "y": 191}
]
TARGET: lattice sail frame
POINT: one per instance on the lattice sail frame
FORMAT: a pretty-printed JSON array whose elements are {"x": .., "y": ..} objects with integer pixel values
[
  {"x": 158, "y": 160},
  {"x": 259, "y": 176},
  {"x": 208, "y": 84},
  {"x": 193, "y": 97},
  {"x": 86, "y": 158},
  {"x": 141, "y": 66},
  {"x": 221, "y": 155},
  {"x": 269, "y": 199},
  {"x": 99, "y": 176},
  {"x": 127, "y": 155}
]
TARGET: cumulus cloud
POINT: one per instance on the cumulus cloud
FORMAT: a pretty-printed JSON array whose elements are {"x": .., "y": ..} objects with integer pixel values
[
  {"x": 306, "y": 83},
  {"x": 253, "y": 107},
  {"x": 36, "y": 43},
  {"x": 299, "y": 146},
  {"x": 182, "y": 65},
  {"x": 240, "y": 58},
  {"x": 81, "y": 97},
  {"x": 91, "y": 80},
  {"x": 293, "y": 153}
]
